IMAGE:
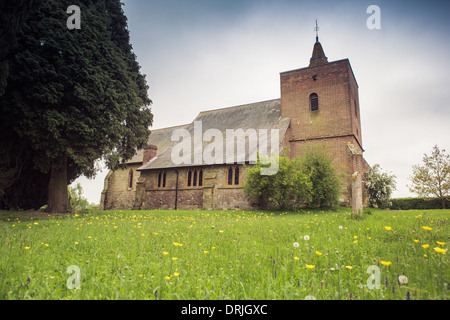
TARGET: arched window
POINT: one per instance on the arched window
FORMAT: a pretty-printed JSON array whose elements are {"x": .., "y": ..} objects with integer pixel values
[
  {"x": 194, "y": 182},
  {"x": 200, "y": 178},
  {"x": 189, "y": 178},
  {"x": 194, "y": 178},
  {"x": 233, "y": 176},
  {"x": 161, "y": 179},
  {"x": 130, "y": 180},
  {"x": 314, "y": 102},
  {"x": 230, "y": 176}
]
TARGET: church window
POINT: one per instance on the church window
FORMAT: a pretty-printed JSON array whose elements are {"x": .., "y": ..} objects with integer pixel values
[
  {"x": 233, "y": 176},
  {"x": 189, "y": 178},
  {"x": 161, "y": 179},
  {"x": 130, "y": 179},
  {"x": 194, "y": 178},
  {"x": 200, "y": 178},
  {"x": 314, "y": 102}
]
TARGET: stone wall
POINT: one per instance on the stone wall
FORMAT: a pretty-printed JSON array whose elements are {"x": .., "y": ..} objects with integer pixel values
[
  {"x": 118, "y": 193},
  {"x": 214, "y": 193}
]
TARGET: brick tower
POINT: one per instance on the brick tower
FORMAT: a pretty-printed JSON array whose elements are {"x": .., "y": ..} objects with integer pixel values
[{"x": 322, "y": 102}]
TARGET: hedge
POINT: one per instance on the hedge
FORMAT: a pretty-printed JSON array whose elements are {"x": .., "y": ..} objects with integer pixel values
[{"x": 418, "y": 203}]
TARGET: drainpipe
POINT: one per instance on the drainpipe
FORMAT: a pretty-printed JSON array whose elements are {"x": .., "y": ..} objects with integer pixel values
[{"x": 176, "y": 191}]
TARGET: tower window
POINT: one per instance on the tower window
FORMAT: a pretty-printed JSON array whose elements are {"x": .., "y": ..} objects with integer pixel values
[{"x": 314, "y": 102}]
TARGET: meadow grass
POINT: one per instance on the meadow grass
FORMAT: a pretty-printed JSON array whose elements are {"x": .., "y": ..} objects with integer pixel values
[{"x": 167, "y": 254}]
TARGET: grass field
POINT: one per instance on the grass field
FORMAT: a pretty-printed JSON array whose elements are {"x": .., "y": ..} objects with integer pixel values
[{"x": 225, "y": 255}]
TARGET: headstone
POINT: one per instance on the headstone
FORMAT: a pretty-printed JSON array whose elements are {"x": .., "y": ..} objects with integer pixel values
[{"x": 357, "y": 198}]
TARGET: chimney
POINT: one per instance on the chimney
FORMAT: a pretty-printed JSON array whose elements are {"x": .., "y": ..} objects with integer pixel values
[{"x": 149, "y": 153}]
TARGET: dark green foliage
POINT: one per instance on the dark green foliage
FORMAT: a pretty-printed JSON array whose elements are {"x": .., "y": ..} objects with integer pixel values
[
  {"x": 317, "y": 163},
  {"x": 289, "y": 187},
  {"x": 310, "y": 180},
  {"x": 418, "y": 203},
  {"x": 74, "y": 96}
]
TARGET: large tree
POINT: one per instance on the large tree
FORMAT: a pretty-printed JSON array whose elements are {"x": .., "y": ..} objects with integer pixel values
[
  {"x": 74, "y": 96},
  {"x": 433, "y": 177}
]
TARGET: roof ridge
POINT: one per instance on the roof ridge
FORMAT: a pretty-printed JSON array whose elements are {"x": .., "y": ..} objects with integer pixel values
[{"x": 237, "y": 106}]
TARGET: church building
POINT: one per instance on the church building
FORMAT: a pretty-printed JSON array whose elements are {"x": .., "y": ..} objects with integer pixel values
[{"x": 319, "y": 104}]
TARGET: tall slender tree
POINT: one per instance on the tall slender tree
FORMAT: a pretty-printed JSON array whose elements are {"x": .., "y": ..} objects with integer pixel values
[{"x": 75, "y": 96}]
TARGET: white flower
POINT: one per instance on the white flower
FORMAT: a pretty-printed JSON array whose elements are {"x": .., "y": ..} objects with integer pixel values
[
  {"x": 402, "y": 280},
  {"x": 310, "y": 298},
  {"x": 296, "y": 244},
  {"x": 306, "y": 237},
  {"x": 341, "y": 227}
]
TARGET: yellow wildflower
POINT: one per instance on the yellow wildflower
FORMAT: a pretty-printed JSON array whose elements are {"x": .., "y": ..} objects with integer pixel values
[
  {"x": 174, "y": 258},
  {"x": 310, "y": 266},
  {"x": 167, "y": 278},
  {"x": 388, "y": 228},
  {"x": 205, "y": 251},
  {"x": 386, "y": 263},
  {"x": 296, "y": 258},
  {"x": 155, "y": 233},
  {"x": 427, "y": 228},
  {"x": 440, "y": 250},
  {"x": 440, "y": 243},
  {"x": 176, "y": 274},
  {"x": 318, "y": 253},
  {"x": 165, "y": 253},
  {"x": 416, "y": 241},
  {"x": 26, "y": 248},
  {"x": 425, "y": 246},
  {"x": 349, "y": 267}
]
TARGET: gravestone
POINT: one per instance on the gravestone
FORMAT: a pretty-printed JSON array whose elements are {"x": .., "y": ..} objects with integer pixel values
[{"x": 357, "y": 198}]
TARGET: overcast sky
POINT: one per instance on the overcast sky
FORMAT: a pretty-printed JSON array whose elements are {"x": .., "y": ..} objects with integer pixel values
[{"x": 207, "y": 54}]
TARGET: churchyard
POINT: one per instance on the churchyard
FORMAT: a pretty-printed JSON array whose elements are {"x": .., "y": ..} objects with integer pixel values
[{"x": 215, "y": 255}]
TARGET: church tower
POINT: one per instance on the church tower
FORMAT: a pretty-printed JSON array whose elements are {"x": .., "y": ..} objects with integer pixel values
[{"x": 322, "y": 103}]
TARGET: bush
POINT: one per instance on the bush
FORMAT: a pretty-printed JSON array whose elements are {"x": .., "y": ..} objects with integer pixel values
[
  {"x": 317, "y": 163},
  {"x": 418, "y": 203},
  {"x": 287, "y": 188}
]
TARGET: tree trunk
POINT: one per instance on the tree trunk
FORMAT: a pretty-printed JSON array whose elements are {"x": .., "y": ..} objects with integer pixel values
[
  {"x": 443, "y": 203},
  {"x": 58, "y": 196}
]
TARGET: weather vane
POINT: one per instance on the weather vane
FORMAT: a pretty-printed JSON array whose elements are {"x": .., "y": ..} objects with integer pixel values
[{"x": 316, "y": 29}]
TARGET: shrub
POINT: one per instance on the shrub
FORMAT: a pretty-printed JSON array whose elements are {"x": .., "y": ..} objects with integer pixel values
[
  {"x": 379, "y": 187},
  {"x": 418, "y": 203},
  {"x": 290, "y": 186}
]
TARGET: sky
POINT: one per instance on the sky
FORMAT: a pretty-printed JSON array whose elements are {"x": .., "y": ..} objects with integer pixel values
[{"x": 200, "y": 55}]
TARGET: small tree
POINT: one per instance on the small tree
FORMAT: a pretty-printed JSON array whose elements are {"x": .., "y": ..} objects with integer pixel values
[
  {"x": 77, "y": 201},
  {"x": 317, "y": 163},
  {"x": 379, "y": 187},
  {"x": 289, "y": 186},
  {"x": 433, "y": 178}
]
